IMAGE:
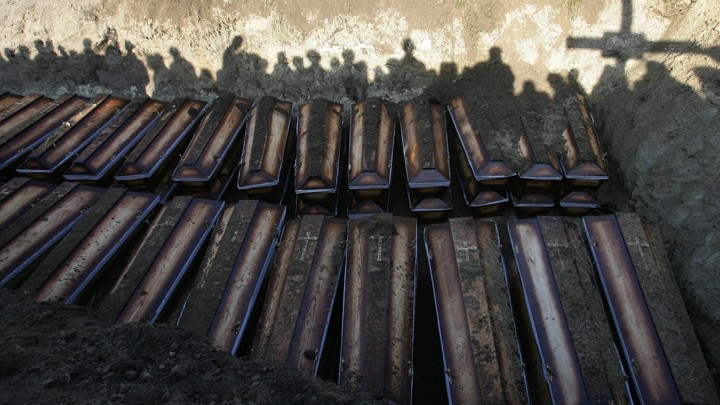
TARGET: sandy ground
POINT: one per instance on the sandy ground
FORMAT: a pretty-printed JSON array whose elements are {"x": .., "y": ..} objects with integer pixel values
[{"x": 650, "y": 67}]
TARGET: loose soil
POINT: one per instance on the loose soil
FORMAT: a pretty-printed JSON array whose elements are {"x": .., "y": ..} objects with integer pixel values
[{"x": 55, "y": 353}]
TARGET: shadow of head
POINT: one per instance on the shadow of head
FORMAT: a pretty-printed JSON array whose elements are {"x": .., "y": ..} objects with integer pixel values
[
  {"x": 408, "y": 46},
  {"x": 236, "y": 43},
  {"x": 313, "y": 57},
  {"x": 495, "y": 55}
]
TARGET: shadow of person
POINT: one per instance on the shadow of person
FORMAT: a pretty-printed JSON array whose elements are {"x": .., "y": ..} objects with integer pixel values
[
  {"x": 111, "y": 69},
  {"x": 564, "y": 85},
  {"x": 489, "y": 89},
  {"x": 314, "y": 75},
  {"x": 497, "y": 77},
  {"x": 407, "y": 75},
  {"x": 172, "y": 81},
  {"x": 135, "y": 70},
  {"x": 448, "y": 71},
  {"x": 97, "y": 67},
  {"x": 18, "y": 69},
  {"x": 354, "y": 76},
  {"x": 22, "y": 54},
  {"x": 180, "y": 69},
  {"x": 44, "y": 62},
  {"x": 334, "y": 63},
  {"x": 85, "y": 63},
  {"x": 242, "y": 72},
  {"x": 87, "y": 46},
  {"x": 281, "y": 77},
  {"x": 227, "y": 75},
  {"x": 530, "y": 99},
  {"x": 299, "y": 89},
  {"x": 314, "y": 70},
  {"x": 45, "y": 50},
  {"x": 156, "y": 63},
  {"x": 443, "y": 89},
  {"x": 298, "y": 65},
  {"x": 64, "y": 53},
  {"x": 612, "y": 85}
]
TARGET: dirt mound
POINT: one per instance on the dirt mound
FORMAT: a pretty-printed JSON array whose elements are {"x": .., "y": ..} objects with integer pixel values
[{"x": 55, "y": 353}]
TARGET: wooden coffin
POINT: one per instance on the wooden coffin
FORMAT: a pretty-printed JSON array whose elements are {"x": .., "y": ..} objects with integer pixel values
[
  {"x": 264, "y": 164},
  {"x": 665, "y": 303},
  {"x": 640, "y": 344},
  {"x": 319, "y": 147},
  {"x": 541, "y": 143},
  {"x": 482, "y": 167},
  {"x": 578, "y": 203},
  {"x": 303, "y": 280},
  {"x": 560, "y": 365},
  {"x": 210, "y": 160},
  {"x": 7, "y": 100},
  {"x": 583, "y": 163},
  {"x": 19, "y": 195},
  {"x": 485, "y": 197},
  {"x": 363, "y": 207},
  {"x": 582, "y": 305},
  {"x": 430, "y": 208},
  {"x": 28, "y": 239},
  {"x": 233, "y": 234},
  {"x": 24, "y": 118},
  {"x": 372, "y": 139},
  {"x": 241, "y": 262},
  {"x": 477, "y": 334},
  {"x": 98, "y": 162},
  {"x": 35, "y": 211},
  {"x": 532, "y": 203},
  {"x": 14, "y": 147},
  {"x": 148, "y": 282},
  {"x": 327, "y": 208},
  {"x": 147, "y": 166},
  {"x": 19, "y": 105},
  {"x": 425, "y": 147},
  {"x": 378, "y": 307},
  {"x": 91, "y": 246},
  {"x": 55, "y": 154}
]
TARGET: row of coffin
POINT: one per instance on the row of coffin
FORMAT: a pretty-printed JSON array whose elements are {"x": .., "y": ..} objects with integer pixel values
[
  {"x": 519, "y": 320},
  {"x": 149, "y": 145}
]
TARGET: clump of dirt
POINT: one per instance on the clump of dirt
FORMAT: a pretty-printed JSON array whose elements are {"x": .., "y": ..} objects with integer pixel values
[{"x": 54, "y": 353}]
